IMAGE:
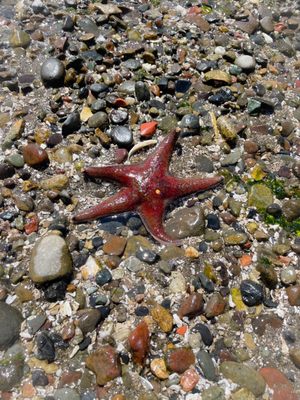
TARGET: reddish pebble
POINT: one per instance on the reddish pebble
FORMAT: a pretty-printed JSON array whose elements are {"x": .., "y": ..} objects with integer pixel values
[
  {"x": 32, "y": 224},
  {"x": 191, "y": 306},
  {"x": 119, "y": 102},
  {"x": 69, "y": 377},
  {"x": 189, "y": 380},
  {"x": 28, "y": 390},
  {"x": 181, "y": 330},
  {"x": 215, "y": 305},
  {"x": 148, "y": 128},
  {"x": 179, "y": 360},
  {"x": 34, "y": 155},
  {"x": 120, "y": 155},
  {"x": 293, "y": 293},
  {"x": 139, "y": 341},
  {"x": 278, "y": 382}
]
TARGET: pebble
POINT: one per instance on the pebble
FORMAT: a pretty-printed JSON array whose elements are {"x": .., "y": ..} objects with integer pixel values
[
  {"x": 53, "y": 72},
  {"x": 252, "y": 292},
  {"x": 244, "y": 376},
  {"x": 45, "y": 347},
  {"x": 186, "y": 222},
  {"x": 288, "y": 275},
  {"x": 139, "y": 342},
  {"x": 114, "y": 245},
  {"x": 66, "y": 394},
  {"x": 34, "y": 155},
  {"x": 204, "y": 164},
  {"x": 189, "y": 380},
  {"x": 142, "y": 91},
  {"x": 178, "y": 282},
  {"x": 71, "y": 124},
  {"x": 213, "y": 393},
  {"x": 293, "y": 293},
  {"x": 162, "y": 317},
  {"x": 206, "y": 364},
  {"x": 6, "y": 171},
  {"x": 19, "y": 38},
  {"x": 104, "y": 362},
  {"x": 88, "y": 319},
  {"x": 159, "y": 369},
  {"x": 98, "y": 120},
  {"x": 180, "y": 359},
  {"x": 39, "y": 378},
  {"x": 232, "y": 237},
  {"x": 191, "y": 306},
  {"x": 10, "y": 325},
  {"x": 215, "y": 305},
  {"x": 247, "y": 63},
  {"x": 102, "y": 277},
  {"x": 291, "y": 209},
  {"x": 11, "y": 373},
  {"x": 122, "y": 136},
  {"x": 278, "y": 382},
  {"x": 57, "y": 264}
]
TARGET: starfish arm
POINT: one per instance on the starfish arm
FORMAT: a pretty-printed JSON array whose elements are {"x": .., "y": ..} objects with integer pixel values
[
  {"x": 152, "y": 214},
  {"x": 162, "y": 155},
  {"x": 119, "y": 173},
  {"x": 178, "y": 187},
  {"x": 124, "y": 200}
]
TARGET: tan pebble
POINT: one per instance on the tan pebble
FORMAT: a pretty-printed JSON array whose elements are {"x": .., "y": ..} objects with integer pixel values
[
  {"x": 48, "y": 368},
  {"x": 189, "y": 380},
  {"x": 249, "y": 341},
  {"x": 119, "y": 397},
  {"x": 191, "y": 252},
  {"x": 163, "y": 317},
  {"x": 85, "y": 114},
  {"x": 159, "y": 369},
  {"x": 28, "y": 390}
]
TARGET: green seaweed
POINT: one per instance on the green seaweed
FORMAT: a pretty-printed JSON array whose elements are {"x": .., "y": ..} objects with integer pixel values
[{"x": 290, "y": 226}]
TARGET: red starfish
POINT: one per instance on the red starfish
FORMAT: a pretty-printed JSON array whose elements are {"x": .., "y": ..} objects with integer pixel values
[{"x": 148, "y": 189}]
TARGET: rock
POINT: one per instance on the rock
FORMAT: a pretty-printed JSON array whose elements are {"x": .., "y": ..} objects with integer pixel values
[
  {"x": 11, "y": 373},
  {"x": 217, "y": 77},
  {"x": 227, "y": 129},
  {"x": 50, "y": 259},
  {"x": 98, "y": 120},
  {"x": 53, "y": 72},
  {"x": 66, "y": 394},
  {"x": 163, "y": 317},
  {"x": 122, "y": 136},
  {"x": 252, "y": 292},
  {"x": 190, "y": 122},
  {"x": 267, "y": 24},
  {"x": 180, "y": 359},
  {"x": 178, "y": 282},
  {"x": 186, "y": 222},
  {"x": 88, "y": 319},
  {"x": 244, "y": 376},
  {"x": 213, "y": 393},
  {"x": 45, "y": 347},
  {"x": 260, "y": 196},
  {"x": 168, "y": 123},
  {"x": 295, "y": 356},
  {"x": 148, "y": 129},
  {"x": 114, "y": 245},
  {"x": 10, "y": 324},
  {"x": 204, "y": 164},
  {"x": 232, "y": 237},
  {"x": 205, "y": 333},
  {"x": 278, "y": 382},
  {"x": 159, "y": 369},
  {"x": 139, "y": 342},
  {"x": 189, "y": 380},
  {"x": 248, "y": 26},
  {"x": 104, "y": 362},
  {"x": 191, "y": 306},
  {"x": 19, "y": 38},
  {"x": 142, "y": 92},
  {"x": 247, "y": 63},
  {"x": 16, "y": 160},
  {"x": 242, "y": 394},
  {"x": 215, "y": 305},
  {"x": 34, "y": 155},
  {"x": 56, "y": 182},
  {"x": 291, "y": 209},
  {"x": 288, "y": 275},
  {"x": 6, "y": 171},
  {"x": 108, "y": 9},
  {"x": 293, "y": 293},
  {"x": 71, "y": 124},
  {"x": 206, "y": 364},
  {"x": 102, "y": 277},
  {"x": 39, "y": 378},
  {"x": 232, "y": 158}
]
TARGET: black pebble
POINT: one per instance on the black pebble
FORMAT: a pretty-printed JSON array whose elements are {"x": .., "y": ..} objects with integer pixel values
[
  {"x": 252, "y": 292},
  {"x": 45, "y": 347}
]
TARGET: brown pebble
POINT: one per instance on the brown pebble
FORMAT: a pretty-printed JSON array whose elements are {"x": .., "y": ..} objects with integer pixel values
[
  {"x": 69, "y": 377},
  {"x": 250, "y": 147},
  {"x": 114, "y": 246},
  {"x": 105, "y": 363},
  {"x": 215, "y": 305},
  {"x": 34, "y": 155},
  {"x": 293, "y": 293},
  {"x": 139, "y": 342},
  {"x": 180, "y": 359},
  {"x": 191, "y": 306}
]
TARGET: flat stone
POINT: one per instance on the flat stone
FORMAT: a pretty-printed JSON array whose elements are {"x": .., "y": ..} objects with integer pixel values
[
  {"x": 180, "y": 359},
  {"x": 278, "y": 382},
  {"x": 163, "y": 317},
  {"x": 215, "y": 305},
  {"x": 104, "y": 362},
  {"x": 88, "y": 319},
  {"x": 50, "y": 259},
  {"x": 260, "y": 196},
  {"x": 206, "y": 364},
  {"x": 291, "y": 209},
  {"x": 186, "y": 222},
  {"x": 115, "y": 245},
  {"x": 10, "y": 324},
  {"x": 19, "y": 38},
  {"x": 245, "y": 62},
  {"x": 244, "y": 376},
  {"x": 293, "y": 293},
  {"x": 217, "y": 77},
  {"x": 191, "y": 306},
  {"x": 232, "y": 237}
]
